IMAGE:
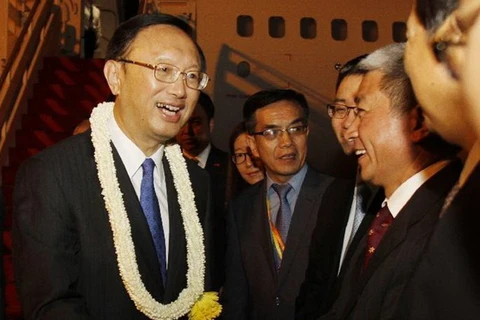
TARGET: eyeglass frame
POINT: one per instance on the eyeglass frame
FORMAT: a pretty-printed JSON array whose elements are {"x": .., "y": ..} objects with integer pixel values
[
  {"x": 183, "y": 73},
  {"x": 331, "y": 113},
  {"x": 280, "y": 130},
  {"x": 244, "y": 154}
]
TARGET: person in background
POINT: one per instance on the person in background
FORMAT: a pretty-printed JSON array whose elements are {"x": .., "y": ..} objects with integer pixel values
[
  {"x": 446, "y": 284},
  {"x": 341, "y": 225},
  {"x": 413, "y": 166},
  {"x": 92, "y": 28},
  {"x": 250, "y": 169},
  {"x": 270, "y": 224},
  {"x": 196, "y": 142}
]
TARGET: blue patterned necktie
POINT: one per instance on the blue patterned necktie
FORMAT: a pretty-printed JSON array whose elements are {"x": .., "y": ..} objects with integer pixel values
[
  {"x": 151, "y": 209},
  {"x": 284, "y": 214}
]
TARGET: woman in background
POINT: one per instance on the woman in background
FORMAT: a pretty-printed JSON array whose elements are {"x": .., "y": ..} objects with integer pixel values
[{"x": 245, "y": 170}]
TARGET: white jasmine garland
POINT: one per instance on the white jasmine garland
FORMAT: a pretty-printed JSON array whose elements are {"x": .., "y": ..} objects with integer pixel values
[{"x": 122, "y": 236}]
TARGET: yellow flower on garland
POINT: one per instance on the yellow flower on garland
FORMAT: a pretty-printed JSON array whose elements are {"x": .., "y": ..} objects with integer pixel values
[{"x": 206, "y": 307}]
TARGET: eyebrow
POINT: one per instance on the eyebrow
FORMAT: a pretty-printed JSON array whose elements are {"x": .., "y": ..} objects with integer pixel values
[{"x": 339, "y": 100}]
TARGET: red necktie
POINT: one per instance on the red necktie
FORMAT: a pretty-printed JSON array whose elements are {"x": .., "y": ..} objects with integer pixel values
[{"x": 377, "y": 230}]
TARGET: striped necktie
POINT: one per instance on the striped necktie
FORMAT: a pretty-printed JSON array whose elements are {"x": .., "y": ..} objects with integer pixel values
[{"x": 151, "y": 209}]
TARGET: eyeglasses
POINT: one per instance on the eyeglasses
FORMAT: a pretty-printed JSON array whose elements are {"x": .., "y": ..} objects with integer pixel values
[
  {"x": 240, "y": 157},
  {"x": 338, "y": 111},
  {"x": 167, "y": 73},
  {"x": 273, "y": 133}
]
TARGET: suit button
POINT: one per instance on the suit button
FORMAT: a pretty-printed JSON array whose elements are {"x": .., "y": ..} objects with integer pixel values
[{"x": 277, "y": 301}]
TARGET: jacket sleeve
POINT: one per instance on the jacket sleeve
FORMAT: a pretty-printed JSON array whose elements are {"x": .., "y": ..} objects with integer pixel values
[
  {"x": 45, "y": 246},
  {"x": 235, "y": 291}
]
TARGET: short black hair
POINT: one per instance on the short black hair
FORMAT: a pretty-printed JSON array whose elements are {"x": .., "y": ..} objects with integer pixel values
[
  {"x": 266, "y": 97},
  {"x": 432, "y": 13},
  {"x": 236, "y": 132},
  {"x": 349, "y": 69},
  {"x": 207, "y": 105},
  {"x": 126, "y": 33}
]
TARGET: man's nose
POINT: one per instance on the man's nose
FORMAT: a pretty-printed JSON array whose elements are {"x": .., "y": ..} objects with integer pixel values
[
  {"x": 284, "y": 138},
  {"x": 349, "y": 119}
]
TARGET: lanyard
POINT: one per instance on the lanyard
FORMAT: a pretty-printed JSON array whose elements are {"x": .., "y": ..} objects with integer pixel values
[{"x": 277, "y": 239}]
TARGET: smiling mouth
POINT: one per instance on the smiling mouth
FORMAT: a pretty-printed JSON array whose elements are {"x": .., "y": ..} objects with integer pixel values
[
  {"x": 167, "y": 109},
  {"x": 289, "y": 156},
  {"x": 360, "y": 153}
]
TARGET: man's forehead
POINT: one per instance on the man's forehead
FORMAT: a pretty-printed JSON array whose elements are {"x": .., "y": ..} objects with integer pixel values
[
  {"x": 161, "y": 37},
  {"x": 280, "y": 110},
  {"x": 369, "y": 88}
]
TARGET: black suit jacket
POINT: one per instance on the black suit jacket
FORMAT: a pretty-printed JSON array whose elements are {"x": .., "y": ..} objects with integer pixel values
[
  {"x": 253, "y": 289},
  {"x": 446, "y": 284},
  {"x": 375, "y": 292},
  {"x": 64, "y": 258},
  {"x": 216, "y": 166},
  {"x": 321, "y": 284}
]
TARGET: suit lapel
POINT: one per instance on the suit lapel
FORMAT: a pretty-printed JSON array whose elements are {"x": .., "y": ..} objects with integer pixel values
[
  {"x": 372, "y": 208},
  {"x": 262, "y": 227},
  {"x": 304, "y": 215},
  {"x": 144, "y": 248},
  {"x": 426, "y": 201},
  {"x": 428, "y": 198},
  {"x": 177, "y": 265}
]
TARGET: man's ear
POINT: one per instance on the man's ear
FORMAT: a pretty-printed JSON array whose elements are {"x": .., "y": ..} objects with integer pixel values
[
  {"x": 111, "y": 70},
  {"x": 252, "y": 144},
  {"x": 211, "y": 125},
  {"x": 417, "y": 122}
]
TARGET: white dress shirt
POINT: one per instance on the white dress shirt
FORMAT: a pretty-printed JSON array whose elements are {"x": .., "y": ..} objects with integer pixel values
[
  {"x": 402, "y": 194},
  {"x": 132, "y": 158}
]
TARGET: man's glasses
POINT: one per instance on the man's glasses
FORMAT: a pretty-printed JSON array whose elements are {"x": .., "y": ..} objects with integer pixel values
[
  {"x": 273, "y": 133},
  {"x": 167, "y": 73},
  {"x": 339, "y": 111},
  {"x": 240, "y": 157}
]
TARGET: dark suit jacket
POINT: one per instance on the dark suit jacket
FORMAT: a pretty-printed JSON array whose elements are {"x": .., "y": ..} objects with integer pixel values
[
  {"x": 321, "y": 284},
  {"x": 253, "y": 289},
  {"x": 64, "y": 258},
  {"x": 375, "y": 292},
  {"x": 217, "y": 166},
  {"x": 446, "y": 284}
]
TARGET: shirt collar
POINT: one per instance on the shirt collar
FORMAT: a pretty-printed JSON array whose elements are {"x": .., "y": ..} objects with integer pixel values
[
  {"x": 296, "y": 181},
  {"x": 406, "y": 190},
  {"x": 203, "y": 156},
  {"x": 131, "y": 155}
]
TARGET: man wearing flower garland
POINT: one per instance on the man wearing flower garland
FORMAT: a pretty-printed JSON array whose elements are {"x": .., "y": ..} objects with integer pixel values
[
  {"x": 108, "y": 223},
  {"x": 270, "y": 225}
]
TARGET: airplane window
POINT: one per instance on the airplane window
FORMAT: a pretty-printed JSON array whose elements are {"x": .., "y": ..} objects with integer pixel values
[
  {"x": 245, "y": 26},
  {"x": 308, "y": 28},
  {"x": 339, "y": 29},
  {"x": 369, "y": 30},
  {"x": 399, "y": 31},
  {"x": 243, "y": 69},
  {"x": 276, "y": 27}
]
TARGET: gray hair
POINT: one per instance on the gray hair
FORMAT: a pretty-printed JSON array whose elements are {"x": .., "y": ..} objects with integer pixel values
[{"x": 395, "y": 82}]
